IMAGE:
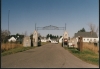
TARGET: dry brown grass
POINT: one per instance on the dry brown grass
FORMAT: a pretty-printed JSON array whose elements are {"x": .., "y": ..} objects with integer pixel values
[
  {"x": 91, "y": 47},
  {"x": 7, "y": 46}
]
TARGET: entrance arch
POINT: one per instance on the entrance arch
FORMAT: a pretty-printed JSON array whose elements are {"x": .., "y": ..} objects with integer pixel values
[{"x": 50, "y": 27}]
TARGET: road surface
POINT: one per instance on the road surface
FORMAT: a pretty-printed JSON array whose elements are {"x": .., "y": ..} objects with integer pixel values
[{"x": 46, "y": 56}]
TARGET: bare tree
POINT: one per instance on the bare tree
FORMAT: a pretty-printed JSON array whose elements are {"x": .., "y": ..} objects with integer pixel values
[
  {"x": 93, "y": 28},
  {"x": 97, "y": 30},
  {"x": 4, "y": 34}
]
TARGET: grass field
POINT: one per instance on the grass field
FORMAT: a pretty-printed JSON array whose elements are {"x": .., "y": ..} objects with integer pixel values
[
  {"x": 16, "y": 50},
  {"x": 8, "y": 46},
  {"x": 89, "y": 54},
  {"x": 11, "y": 48},
  {"x": 91, "y": 47}
]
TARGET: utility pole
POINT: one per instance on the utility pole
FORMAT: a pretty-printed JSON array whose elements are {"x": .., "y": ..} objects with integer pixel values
[
  {"x": 35, "y": 26},
  {"x": 65, "y": 26},
  {"x": 8, "y": 21}
]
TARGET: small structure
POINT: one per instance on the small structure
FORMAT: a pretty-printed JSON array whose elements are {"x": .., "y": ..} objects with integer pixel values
[
  {"x": 87, "y": 36},
  {"x": 35, "y": 38},
  {"x": 70, "y": 44},
  {"x": 73, "y": 42},
  {"x": 27, "y": 41},
  {"x": 12, "y": 39},
  {"x": 54, "y": 41}
]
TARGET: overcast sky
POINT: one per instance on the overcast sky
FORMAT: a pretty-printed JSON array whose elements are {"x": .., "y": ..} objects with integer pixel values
[{"x": 25, "y": 13}]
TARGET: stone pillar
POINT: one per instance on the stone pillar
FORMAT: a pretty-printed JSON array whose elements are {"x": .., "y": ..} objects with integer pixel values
[
  {"x": 35, "y": 38},
  {"x": 27, "y": 41},
  {"x": 65, "y": 36}
]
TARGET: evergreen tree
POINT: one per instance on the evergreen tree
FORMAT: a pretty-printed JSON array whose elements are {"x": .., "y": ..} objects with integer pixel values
[
  {"x": 82, "y": 30},
  {"x": 51, "y": 36},
  {"x": 47, "y": 36}
]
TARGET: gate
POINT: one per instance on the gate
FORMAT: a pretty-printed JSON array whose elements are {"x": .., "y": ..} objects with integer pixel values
[{"x": 50, "y": 27}]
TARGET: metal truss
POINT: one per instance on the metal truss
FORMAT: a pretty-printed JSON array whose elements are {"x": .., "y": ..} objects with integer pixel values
[{"x": 50, "y": 27}]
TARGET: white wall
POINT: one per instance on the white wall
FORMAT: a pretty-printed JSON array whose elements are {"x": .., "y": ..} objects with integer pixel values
[
  {"x": 60, "y": 40},
  {"x": 53, "y": 41},
  {"x": 43, "y": 40},
  {"x": 88, "y": 39}
]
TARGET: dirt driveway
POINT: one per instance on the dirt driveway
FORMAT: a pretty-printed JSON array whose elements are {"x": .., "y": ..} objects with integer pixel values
[{"x": 47, "y": 56}]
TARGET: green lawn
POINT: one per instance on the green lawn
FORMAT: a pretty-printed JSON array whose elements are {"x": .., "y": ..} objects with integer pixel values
[{"x": 86, "y": 55}]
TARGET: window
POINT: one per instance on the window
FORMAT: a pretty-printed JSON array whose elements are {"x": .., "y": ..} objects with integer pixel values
[
  {"x": 94, "y": 40},
  {"x": 87, "y": 39},
  {"x": 90, "y": 39}
]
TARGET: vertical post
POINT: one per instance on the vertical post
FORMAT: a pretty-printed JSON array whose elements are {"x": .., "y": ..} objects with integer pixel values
[
  {"x": 8, "y": 21},
  {"x": 65, "y": 26},
  {"x": 35, "y": 26},
  {"x": 63, "y": 39},
  {"x": 81, "y": 43}
]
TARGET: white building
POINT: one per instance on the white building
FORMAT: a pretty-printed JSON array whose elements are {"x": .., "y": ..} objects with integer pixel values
[
  {"x": 60, "y": 40},
  {"x": 43, "y": 39},
  {"x": 87, "y": 36},
  {"x": 12, "y": 39},
  {"x": 54, "y": 41},
  {"x": 49, "y": 39}
]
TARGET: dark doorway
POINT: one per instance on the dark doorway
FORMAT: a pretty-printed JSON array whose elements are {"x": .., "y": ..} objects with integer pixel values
[{"x": 31, "y": 42}]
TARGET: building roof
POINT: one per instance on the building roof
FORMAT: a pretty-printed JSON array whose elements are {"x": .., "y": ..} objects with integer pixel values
[
  {"x": 12, "y": 39},
  {"x": 86, "y": 34},
  {"x": 43, "y": 37}
]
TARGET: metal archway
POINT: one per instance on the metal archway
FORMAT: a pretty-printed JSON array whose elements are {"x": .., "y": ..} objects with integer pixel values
[{"x": 51, "y": 27}]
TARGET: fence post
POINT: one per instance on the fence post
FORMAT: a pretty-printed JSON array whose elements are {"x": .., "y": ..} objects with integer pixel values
[{"x": 80, "y": 43}]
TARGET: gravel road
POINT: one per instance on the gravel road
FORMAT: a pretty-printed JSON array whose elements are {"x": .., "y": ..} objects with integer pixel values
[{"x": 46, "y": 56}]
